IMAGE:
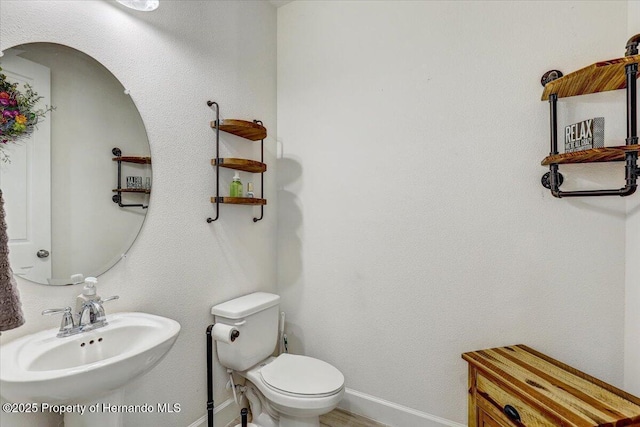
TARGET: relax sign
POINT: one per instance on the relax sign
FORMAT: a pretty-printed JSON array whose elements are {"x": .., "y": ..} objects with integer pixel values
[{"x": 584, "y": 135}]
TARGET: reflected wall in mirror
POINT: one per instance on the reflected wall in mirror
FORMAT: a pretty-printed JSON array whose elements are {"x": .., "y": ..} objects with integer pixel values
[{"x": 62, "y": 223}]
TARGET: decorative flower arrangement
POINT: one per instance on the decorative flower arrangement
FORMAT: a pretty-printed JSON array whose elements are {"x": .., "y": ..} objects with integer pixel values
[{"x": 18, "y": 115}]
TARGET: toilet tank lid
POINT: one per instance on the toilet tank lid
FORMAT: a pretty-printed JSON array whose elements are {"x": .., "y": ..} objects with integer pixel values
[{"x": 246, "y": 305}]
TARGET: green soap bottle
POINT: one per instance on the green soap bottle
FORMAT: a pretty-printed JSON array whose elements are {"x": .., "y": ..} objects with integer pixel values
[{"x": 235, "y": 189}]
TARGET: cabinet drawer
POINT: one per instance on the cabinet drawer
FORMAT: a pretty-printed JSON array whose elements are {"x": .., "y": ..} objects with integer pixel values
[
  {"x": 485, "y": 420},
  {"x": 488, "y": 414},
  {"x": 499, "y": 397}
]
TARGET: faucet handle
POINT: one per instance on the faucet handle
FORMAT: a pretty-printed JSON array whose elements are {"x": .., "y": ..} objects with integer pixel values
[
  {"x": 50, "y": 311},
  {"x": 67, "y": 326},
  {"x": 103, "y": 316}
]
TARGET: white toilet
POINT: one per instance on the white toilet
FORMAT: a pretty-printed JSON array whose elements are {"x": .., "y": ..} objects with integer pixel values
[{"x": 283, "y": 391}]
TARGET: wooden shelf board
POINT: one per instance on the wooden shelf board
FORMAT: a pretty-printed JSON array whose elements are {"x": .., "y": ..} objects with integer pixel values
[
  {"x": 242, "y": 128},
  {"x": 133, "y": 159},
  {"x": 241, "y": 164},
  {"x": 240, "y": 200},
  {"x": 599, "y": 77},
  {"x": 606, "y": 154},
  {"x": 132, "y": 190}
]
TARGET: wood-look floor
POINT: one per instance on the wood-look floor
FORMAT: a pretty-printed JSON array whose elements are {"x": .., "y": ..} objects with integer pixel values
[
  {"x": 340, "y": 418},
  {"x": 337, "y": 418}
]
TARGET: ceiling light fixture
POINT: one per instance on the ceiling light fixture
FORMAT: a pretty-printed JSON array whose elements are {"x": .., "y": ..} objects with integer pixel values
[{"x": 143, "y": 5}]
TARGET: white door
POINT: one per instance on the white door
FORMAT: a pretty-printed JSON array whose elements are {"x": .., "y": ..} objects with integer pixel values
[{"x": 26, "y": 180}]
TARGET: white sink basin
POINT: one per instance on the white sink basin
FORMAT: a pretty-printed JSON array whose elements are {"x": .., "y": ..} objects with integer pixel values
[{"x": 43, "y": 368}]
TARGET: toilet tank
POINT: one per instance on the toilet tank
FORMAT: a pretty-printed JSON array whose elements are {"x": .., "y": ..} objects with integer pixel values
[{"x": 256, "y": 318}]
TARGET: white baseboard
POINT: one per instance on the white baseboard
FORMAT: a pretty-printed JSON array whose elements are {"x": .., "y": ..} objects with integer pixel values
[
  {"x": 390, "y": 413},
  {"x": 223, "y": 414},
  {"x": 354, "y": 401}
]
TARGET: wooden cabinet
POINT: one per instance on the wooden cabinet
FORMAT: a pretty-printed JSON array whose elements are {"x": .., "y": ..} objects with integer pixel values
[{"x": 517, "y": 386}]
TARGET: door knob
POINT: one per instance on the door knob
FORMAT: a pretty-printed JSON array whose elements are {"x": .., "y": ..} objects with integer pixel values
[{"x": 42, "y": 253}]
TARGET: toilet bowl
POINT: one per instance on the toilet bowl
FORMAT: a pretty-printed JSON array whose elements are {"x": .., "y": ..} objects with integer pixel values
[
  {"x": 284, "y": 391},
  {"x": 298, "y": 386}
]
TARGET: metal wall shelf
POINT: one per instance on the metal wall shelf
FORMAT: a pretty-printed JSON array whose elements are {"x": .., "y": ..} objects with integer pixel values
[
  {"x": 132, "y": 159},
  {"x": 602, "y": 76},
  {"x": 132, "y": 190},
  {"x": 239, "y": 200},
  {"x": 253, "y": 131},
  {"x": 240, "y": 164},
  {"x": 599, "y": 77},
  {"x": 594, "y": 155},
  {"x": 117, "y": 198}
]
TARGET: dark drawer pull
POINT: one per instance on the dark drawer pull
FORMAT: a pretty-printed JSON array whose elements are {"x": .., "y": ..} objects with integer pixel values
[{"x": 512, "y": 413}]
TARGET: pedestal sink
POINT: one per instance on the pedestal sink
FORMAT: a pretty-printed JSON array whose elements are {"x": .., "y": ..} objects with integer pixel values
[{"x": 85, "y": 371}]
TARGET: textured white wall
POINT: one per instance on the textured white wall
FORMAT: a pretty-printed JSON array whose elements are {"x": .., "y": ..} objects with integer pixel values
[
  {"x": 412, "y": 223},
  {"x": 173, "y": 60},
  {"x": 632, "y": 309}
]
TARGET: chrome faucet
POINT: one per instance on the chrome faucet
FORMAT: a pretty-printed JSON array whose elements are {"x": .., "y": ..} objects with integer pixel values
[{"x": 91, "y": 317}]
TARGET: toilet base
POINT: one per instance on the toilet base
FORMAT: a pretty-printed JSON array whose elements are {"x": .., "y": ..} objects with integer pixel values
[{"x": 262, "y": 413}]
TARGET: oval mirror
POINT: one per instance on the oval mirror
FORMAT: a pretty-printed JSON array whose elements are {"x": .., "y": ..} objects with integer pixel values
[{"x": 72, "y": 208}]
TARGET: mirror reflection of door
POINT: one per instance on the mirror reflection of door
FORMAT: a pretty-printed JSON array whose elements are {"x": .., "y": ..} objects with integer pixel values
[
  {"x": 25, "y": 181},
  {"x": 93, "y": 114}
]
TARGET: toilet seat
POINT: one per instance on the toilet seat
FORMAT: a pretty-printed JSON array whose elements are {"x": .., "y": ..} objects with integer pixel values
[{"x": 302, "y": 376}]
